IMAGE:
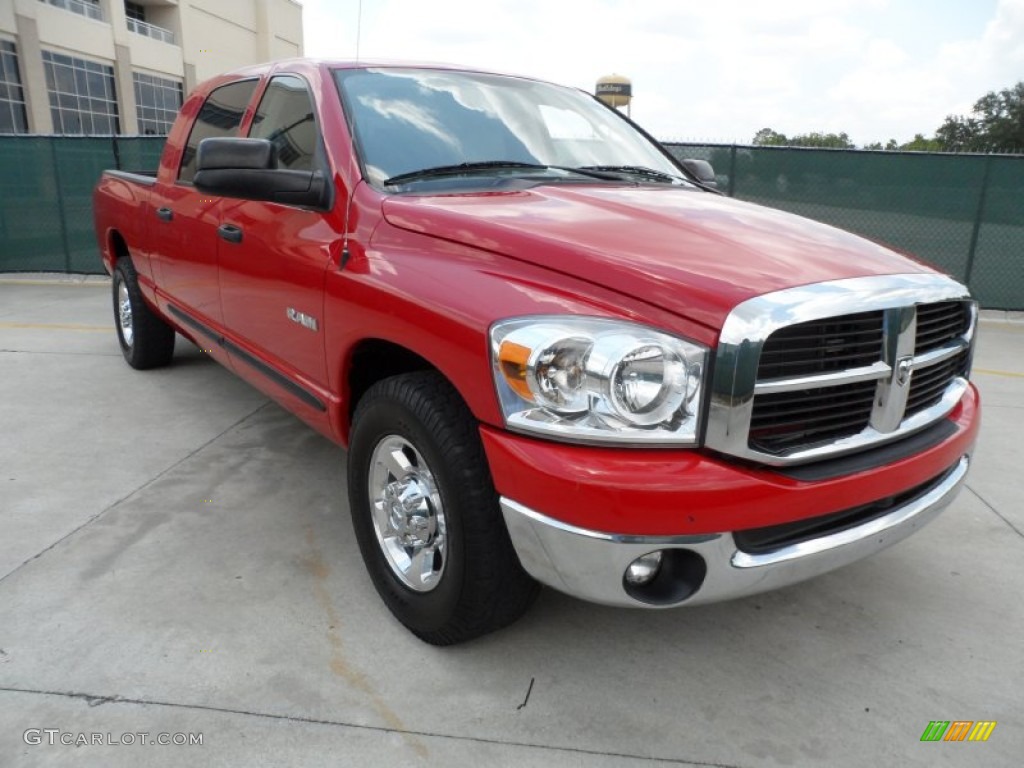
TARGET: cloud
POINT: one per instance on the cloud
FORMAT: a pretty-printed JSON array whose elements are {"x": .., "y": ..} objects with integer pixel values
[
  {"x": 718, "y": 70},
  {"x": 888, "y": 94}
]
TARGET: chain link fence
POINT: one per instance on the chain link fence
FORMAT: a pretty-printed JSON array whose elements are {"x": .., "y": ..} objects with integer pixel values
[
  {"x": 964, "y": 213},
  {"x": 46, "y": 197}
]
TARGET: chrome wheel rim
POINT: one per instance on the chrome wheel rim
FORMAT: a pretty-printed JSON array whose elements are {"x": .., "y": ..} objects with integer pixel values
[
  {"x": 124, "y": 314},
  {"x": 408, "y": 516}
]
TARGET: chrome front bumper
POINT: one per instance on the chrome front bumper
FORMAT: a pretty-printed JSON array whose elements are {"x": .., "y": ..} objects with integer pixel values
[{"x": 591, "y": 565}]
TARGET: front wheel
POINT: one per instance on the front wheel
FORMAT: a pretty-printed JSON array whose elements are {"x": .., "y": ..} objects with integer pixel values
[{"x": 426, "y": 514}]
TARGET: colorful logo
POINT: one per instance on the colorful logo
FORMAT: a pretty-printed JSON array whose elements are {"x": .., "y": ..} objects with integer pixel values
[{"x": 958, "y": 730}]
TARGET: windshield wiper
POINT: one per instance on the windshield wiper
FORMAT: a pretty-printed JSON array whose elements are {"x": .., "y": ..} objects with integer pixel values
[
  {"x": 632, "y": 170},
  {"x": 491, "y": 165},
  {"x": 461, "y": 168}
]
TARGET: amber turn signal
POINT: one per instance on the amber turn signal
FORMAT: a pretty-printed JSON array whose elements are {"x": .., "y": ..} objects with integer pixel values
[{"x": 513, "y": 360}]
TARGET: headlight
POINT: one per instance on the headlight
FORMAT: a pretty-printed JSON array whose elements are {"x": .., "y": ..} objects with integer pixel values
[{"x": 597, "y": 380}]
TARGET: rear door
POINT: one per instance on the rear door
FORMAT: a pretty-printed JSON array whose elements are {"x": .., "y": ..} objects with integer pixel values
[
  {"x": 272, "y": 280},
  {"x": 184, "y": 227}
]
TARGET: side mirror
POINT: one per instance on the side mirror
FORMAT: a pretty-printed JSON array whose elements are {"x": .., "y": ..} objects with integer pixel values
[
  {"x": 247, "y": 169},
  {"x": 701, "y": 170}
]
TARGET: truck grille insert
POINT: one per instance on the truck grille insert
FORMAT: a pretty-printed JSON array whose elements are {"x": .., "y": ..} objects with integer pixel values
[
  {"x": 939, "y": 324},
  {"x": 929, "y": 384},
  {"x": 789, "y": 420},
  {"x": 819, "y": 346},
  {"x": 795, "y": 384},
  {"x": 855, "y": 376},
  {"x": 795, "y": 420}
]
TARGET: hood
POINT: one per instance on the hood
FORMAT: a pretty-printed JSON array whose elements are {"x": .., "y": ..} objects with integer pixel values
[{"x": 692, "y": 253}]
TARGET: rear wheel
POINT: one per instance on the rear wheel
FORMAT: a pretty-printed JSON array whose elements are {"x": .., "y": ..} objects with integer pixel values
[
  {"x": 426, "y": 514},
  {"x": 146, "y": 340}
]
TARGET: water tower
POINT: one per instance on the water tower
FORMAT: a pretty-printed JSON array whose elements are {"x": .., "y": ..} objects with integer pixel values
[{"x": 615, "y": 91}]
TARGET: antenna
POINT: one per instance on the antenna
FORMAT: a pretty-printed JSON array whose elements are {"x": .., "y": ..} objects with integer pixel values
[{"x": 359, "y": 28}]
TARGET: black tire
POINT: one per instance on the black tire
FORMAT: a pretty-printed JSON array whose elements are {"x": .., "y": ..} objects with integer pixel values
[
  {"x": 146, "y": 340},
  {"x": 480, "y": 586}
]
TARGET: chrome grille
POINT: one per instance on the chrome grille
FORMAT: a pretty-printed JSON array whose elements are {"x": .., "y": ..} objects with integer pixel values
[
  {"x": 784, "y": 420},
  {"x": 833, "y": 344},
  {"x": 822, "y": 370},
  {"x": 940, "y": 323},
  {"x": 929, "y": 384}
]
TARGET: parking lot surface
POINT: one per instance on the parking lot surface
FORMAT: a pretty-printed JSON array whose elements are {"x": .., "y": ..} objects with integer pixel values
[{"x": 176, "y": 559}]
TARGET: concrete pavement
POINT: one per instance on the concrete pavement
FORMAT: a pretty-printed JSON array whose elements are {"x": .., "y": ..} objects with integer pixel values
[{"x": 176, "y": 557}]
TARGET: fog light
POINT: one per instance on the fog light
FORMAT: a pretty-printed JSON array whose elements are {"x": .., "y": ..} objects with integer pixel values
[{"x": 644, "y": 568}]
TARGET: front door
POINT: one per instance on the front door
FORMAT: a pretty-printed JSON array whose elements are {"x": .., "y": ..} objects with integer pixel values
[{"x": 272, "y": 272}]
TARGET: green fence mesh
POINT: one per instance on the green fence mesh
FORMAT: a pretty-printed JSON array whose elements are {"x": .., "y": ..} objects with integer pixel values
[
  {"x": 964, "y": 213},
  {"x": 46, "y": 187},
  {"x": 997, "y": 270}
]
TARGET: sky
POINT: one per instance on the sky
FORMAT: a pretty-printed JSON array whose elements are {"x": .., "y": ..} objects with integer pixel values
[{"x": 714, "y": 70}]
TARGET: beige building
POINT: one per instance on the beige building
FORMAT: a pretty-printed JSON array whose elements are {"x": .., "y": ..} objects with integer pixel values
[{"x": 117, "y": 66}]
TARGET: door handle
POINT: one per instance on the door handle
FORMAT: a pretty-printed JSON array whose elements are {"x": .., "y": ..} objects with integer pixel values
[
  {"x": 164, "y": 213},
  {"x": 230, "y": 232}
]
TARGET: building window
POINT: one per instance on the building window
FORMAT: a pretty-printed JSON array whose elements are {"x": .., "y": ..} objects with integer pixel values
[
  {"x": 82, "y": 96},
  {"x": 135, "y": 11},
  {"x": 157, "y": 101},
  {"x": 88, "y": 8},
  {"x": 12, "y": 98}
]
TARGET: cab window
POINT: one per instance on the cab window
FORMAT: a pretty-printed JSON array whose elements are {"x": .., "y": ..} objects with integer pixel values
[
  {"x": 285, "y": 118},
  {"x": 220, "y": 116}
]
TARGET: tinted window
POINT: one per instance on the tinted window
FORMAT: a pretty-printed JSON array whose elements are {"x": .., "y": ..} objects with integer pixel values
[
  {"x": 285, "y": 117},
  {"x": 220, "y": 116}
]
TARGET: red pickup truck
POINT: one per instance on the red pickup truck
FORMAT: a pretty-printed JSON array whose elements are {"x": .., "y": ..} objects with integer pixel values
[{"x": 555, "y": 354}]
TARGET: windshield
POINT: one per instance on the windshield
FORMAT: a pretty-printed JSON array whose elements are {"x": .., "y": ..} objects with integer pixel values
[{"x": 408, "y": 120}]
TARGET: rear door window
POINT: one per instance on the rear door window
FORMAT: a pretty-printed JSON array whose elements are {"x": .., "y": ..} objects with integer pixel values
[{"x": 220, "y": 116}]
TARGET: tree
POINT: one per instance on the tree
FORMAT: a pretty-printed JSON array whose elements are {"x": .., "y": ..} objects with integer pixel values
[
  {"x": 766, "y": 137},
  {"x": 1002, "y": 118},
  {"x": 920, "y": 144},
  {"x": 825, "y": 140},
  {"x": 996, "y": 124},
  {"x": 960, "y": 134},
  {"x": 889, "y": 145}
]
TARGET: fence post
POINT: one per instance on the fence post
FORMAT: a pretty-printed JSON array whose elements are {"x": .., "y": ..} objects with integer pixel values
[
  {"x": 732, "y": 172},
  {"x": 117, "y": 152},
  {"x": 969, "y": 267},
  {"x": 60, "y": 205}
]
